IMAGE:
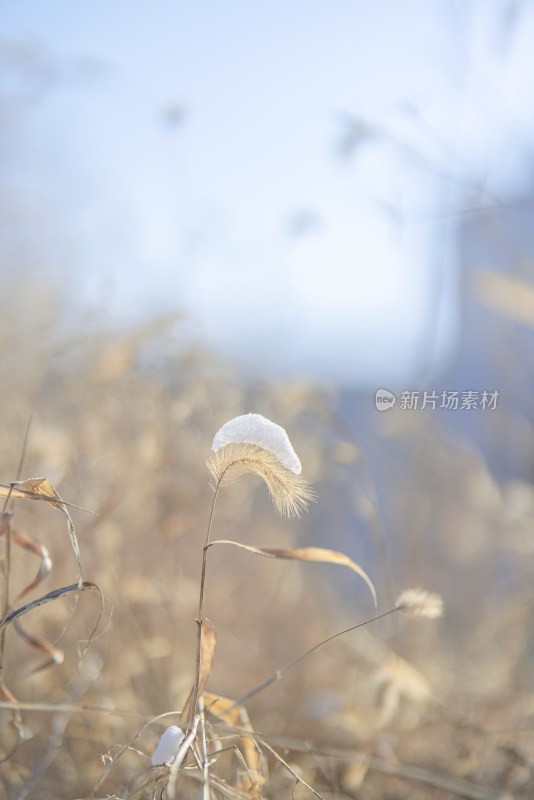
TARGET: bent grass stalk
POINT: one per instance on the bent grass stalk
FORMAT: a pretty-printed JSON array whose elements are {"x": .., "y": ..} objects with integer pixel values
[
  {"x": 414, "y": 602},
  {"x": 249, "y": 443},
  {"x": 276, "y": 676},
  {"x": 252, "y": 444}
]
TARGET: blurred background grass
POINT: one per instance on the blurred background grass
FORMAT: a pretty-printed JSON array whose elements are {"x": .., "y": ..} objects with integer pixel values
[
  {"x": 192, "y": 228},
  {"x": 122, "y": 424}
]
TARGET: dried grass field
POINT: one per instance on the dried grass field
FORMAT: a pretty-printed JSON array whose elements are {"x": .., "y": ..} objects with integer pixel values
[{"x": 91, "y": 675}]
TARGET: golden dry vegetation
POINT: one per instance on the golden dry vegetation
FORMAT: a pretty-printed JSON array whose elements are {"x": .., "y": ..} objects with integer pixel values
[{"x": 121, "y": 425}]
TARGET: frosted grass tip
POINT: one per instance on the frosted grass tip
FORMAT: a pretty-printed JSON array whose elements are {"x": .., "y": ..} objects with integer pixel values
[
  {"x": 252, "y": 443},
  {"x": 260, "y": 431}
]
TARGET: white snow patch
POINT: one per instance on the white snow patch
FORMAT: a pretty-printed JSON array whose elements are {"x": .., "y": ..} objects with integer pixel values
[
  {"x": 258, "y": 430},
  {"x": 168, "y": 746}
]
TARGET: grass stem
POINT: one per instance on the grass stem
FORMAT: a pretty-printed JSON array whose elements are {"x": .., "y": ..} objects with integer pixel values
[
  {"x": 200, "y": 617},
  {"x": 276, "y": 676}
]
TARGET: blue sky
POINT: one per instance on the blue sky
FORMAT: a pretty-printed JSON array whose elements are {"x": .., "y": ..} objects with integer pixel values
[{"x": 286, "y": 173}]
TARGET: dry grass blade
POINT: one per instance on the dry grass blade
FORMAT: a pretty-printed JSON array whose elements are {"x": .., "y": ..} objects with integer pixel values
[
  {"x": 11, "y": 616},
  {"x": 320, "y": 554},
  {"x": 8, "y": 696},
  {"x": 222, "y": 788},
  {"x": 6, "y": 530},
  {"x": 70, "y": 708},
  {"x": 33, "y": 546},
  {"x": 9, "y": 491},
  {"x": 43, "y": 487},
  {"x": 236, "y": 715},
  {"x": 289, "y": 492},
  {"x": 291, "y": 771},
  {"x": 276, "y": 676},
  {"x": 54, "y": 654},
  {"x": 208, "y": 640},
  {"x": 449, "y": 783}
]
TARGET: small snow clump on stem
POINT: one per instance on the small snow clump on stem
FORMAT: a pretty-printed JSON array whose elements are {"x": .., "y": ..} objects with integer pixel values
[{"x": 168, "y": 746}]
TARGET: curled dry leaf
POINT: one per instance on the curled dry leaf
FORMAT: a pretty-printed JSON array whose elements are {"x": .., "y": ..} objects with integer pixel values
[
  {"x": 11, "y": 616},
  {"x": 207, "y": 652},
  {"x": 42, "y": 489},
  {"x": 53, "y": 653},
  {"x": 307, "y": 554},
  {"x": 13, "y": 491},
  {"x": 208, "y": 640}
]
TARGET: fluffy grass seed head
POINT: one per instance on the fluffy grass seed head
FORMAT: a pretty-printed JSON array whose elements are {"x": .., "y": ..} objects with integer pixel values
[
  {"x": 420, "y": 603},
  {"x": 252, "y": 443}
]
